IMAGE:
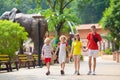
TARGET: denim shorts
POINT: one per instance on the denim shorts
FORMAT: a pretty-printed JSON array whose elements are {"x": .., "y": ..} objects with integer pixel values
[{"x": 93, "y": 53}]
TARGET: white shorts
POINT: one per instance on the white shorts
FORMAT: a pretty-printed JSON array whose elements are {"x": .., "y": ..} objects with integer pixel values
[{"x": 93, "y": 53}]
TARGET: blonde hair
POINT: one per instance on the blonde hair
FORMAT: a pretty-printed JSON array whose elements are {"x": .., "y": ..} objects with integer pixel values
[
  {"x": 47, "y": 40},
  {"x": 62, "y": 36}
]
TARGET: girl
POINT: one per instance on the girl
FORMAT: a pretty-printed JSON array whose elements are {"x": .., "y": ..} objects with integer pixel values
[
  {"x": 76, "y": 51},
  {"x": 47, "y": 53},
  {"x": 62, "y": 46}
]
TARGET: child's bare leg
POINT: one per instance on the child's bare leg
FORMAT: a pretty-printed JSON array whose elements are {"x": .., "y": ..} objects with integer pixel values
[
  {"x": 78, "y": 65},
  {"x": 48, "y": 67},
  {"x": 75, "y": 63},
  {"x": 63, "y": 66}
]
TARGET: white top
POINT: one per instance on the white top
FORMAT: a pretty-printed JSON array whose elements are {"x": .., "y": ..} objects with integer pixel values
[
  {"x": 47, "y": 49},
  {"x": 62, "y": 48}
]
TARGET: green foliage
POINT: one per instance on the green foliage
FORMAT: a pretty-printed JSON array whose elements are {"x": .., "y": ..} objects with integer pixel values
[
  {"x": 108, "y": 51},
  {"x": 10, "y": 36},
  {"x": 111, "y": 20},
  {"x": 87, "y": 11},
  {"x": 22, "y": 5},
  {"x": 77, "y": 11},
  {"x": 90, "y": 11},
  {"x": 54, "y": 18},
  {"x": 58, "y": 17},
  {"x": 107, "y": 37}
]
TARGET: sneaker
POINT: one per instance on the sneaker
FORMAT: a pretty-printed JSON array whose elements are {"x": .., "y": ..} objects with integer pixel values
[
  {"x": 48, "y": 73},
  {"x": 62, "y": 72},
  {"x": 75, "y": 72},
  {"x": 78, "y": 73},
  {"x": 89, "y": 73},
  {"x": 93, "y": 73}
]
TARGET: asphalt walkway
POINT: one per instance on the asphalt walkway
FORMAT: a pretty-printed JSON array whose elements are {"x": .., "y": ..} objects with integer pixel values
[{"x": 106, "y": 70}]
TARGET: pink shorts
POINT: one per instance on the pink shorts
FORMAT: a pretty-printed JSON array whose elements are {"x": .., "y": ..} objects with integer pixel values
[{"x": 47, "y": 60}]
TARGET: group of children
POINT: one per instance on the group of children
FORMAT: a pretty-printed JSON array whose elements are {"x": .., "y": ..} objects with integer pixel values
[
  {"x": 75, "y": 52},
  {"x": 76, "y": 48}
]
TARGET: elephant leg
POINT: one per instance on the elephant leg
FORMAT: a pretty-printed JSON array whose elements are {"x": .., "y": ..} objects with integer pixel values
[
  {"x": 35, "y": 41},
  {"x": 35, "y": 50}
]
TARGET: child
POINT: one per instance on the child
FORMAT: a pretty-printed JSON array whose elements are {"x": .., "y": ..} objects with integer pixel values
[
  {"x": 62, "y": 46},
  {"x": 76, "y": 51},
  {"x": 47, "y": 53}
]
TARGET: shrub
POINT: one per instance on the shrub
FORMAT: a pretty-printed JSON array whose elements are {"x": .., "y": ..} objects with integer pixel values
[
  {"x": 108, "y": 51},
  {"x": 10, "y": 36}
]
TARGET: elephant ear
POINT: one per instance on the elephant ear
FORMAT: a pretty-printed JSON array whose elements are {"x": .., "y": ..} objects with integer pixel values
[{"x": 13, "y": 14}]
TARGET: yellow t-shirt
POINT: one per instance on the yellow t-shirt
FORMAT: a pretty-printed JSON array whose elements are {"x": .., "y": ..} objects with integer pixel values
[{"x": 77, "y": 47}]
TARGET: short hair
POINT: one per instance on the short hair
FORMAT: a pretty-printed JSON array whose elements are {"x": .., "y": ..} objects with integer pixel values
[
  {"x": 93, "y": 26},
  {"x": 47, "y": 40}
]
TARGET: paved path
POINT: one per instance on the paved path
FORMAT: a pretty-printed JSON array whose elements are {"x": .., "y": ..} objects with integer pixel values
[{"x": 106, "y": 70}]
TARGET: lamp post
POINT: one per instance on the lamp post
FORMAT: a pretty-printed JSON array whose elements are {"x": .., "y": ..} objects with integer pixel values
[{"x": 39, "y": 40}]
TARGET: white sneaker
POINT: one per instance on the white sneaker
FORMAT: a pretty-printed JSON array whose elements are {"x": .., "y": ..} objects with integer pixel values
[
  {"x": 93, "y": 73},
  {"x": 75, "y": 72},
  {"x": 89, "y": 73}
]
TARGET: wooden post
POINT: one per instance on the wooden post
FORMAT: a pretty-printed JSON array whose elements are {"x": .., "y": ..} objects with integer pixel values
[
  {"x": 114, "y": 55},
  {"x": 117, "y": 56}
]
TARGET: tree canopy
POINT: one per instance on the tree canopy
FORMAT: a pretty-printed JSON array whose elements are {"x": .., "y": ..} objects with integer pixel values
[
  {"x": 22, "y": 5},
  {"x": 59, "y": 12},
  {"x": 10, "y": 36},
  {"x": 58, "y": 15},
  {"x": 111, "y": 21},
  {"x": 91, "y": 11}
]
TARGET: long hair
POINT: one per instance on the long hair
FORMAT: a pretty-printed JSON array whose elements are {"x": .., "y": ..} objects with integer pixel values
[{"x": 77, "y": 36}]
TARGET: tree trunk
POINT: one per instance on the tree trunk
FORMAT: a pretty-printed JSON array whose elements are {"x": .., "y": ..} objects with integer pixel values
[{"x": 58, "y": 28}]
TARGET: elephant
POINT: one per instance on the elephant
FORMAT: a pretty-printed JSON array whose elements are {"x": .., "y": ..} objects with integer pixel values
[{"x": 30, "y": 24}]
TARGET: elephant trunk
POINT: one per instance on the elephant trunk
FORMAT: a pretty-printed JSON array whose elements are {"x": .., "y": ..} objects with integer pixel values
[{"x": 0, "y": 18}]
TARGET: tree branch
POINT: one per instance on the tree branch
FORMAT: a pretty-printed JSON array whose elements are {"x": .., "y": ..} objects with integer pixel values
[
  {"x": 49, "y": 2},
  {"x": 67, "y": 3},
  {"x": 52, "y": 6},
  {"x": 61, "y": 7}
]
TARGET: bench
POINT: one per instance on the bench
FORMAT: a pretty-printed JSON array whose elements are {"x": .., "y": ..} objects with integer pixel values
[
  {"x": 15, "y": 62},
  {"x": 6, "y": 60},
  {"x": 24, "y": 60},
  {"x": 35, "y": 57}
]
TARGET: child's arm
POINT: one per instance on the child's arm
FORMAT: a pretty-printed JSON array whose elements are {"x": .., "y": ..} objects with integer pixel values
[
  {"x": 56, "y": 50},
  {"x": 71, "y": 52},
  {"x": 67, "y": 48},
  {"x": 52, "y": 51}
]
